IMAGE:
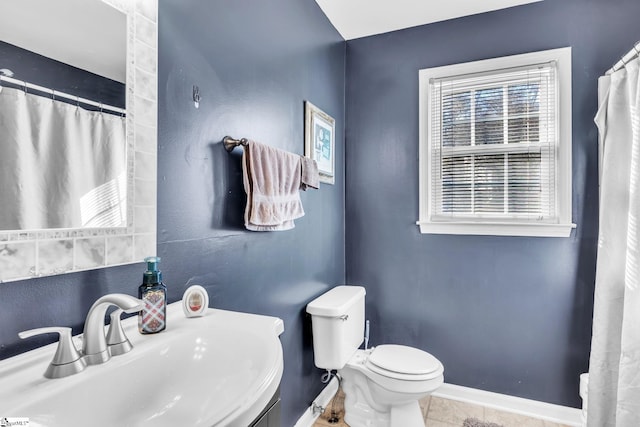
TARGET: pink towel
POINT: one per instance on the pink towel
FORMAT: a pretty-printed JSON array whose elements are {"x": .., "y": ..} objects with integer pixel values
[
  {"x": 310, "y": 176},
  {"x": 272, "y": 182}
]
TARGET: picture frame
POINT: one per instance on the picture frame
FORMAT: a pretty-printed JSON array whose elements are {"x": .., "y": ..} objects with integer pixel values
[{"x": 319, "y": 141}]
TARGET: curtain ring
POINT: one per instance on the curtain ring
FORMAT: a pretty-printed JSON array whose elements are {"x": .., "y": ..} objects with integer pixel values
[
  {"x": 4, "y": 72},
  {"x": 53, "y": 94}
]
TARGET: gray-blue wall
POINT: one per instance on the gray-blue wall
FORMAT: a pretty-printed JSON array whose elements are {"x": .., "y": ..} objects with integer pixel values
[
  {"x": 255, "y": 63},
  {"x": 506, "y": 314},
  {"x": 34, "y": 68}
]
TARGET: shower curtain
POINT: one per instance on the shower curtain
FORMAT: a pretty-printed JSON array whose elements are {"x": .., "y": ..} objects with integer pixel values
[
  {"x": 61, "y": 166},
  {"x": 614, "y": 368}
]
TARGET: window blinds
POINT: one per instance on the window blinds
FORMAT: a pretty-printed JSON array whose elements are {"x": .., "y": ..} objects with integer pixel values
[{"x": 493, "y": 143}]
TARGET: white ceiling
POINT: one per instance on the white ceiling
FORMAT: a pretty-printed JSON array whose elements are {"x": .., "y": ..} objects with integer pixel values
[
  {"x": 90, "y": 35},
  {"x": 360, "y": 18}
]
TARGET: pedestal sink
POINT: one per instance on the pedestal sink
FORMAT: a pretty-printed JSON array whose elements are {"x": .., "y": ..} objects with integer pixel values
[{"x": 217, "y": 370}]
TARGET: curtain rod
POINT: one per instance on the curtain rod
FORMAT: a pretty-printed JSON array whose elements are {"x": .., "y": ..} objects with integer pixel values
[
  {"x": 56, "y": 94},
  {"x": 632, "y": 54}
]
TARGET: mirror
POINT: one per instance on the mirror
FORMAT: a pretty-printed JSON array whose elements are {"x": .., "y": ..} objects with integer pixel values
[
  {"x": 129, "y": 24},
  {"x": 79, "y": 51}
]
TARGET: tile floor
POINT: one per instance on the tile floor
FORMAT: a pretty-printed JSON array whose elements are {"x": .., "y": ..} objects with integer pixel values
[{"x": 439, "y": 412}]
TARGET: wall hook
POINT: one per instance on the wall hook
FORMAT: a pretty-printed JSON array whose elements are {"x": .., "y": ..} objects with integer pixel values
[{"x": 196, "y": 96}]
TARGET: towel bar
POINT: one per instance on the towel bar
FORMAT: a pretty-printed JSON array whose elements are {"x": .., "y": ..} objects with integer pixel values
[{"x": 231, "y": 143}]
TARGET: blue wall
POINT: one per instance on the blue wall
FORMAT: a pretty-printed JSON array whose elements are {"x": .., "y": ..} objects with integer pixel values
[
  {"x": 255, "y": 63},
  {"x": 33, "y": 68},
  {"x": 506, "y": 314}
]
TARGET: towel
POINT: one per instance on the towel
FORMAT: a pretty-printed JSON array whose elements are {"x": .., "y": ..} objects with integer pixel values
[
  {"x": 272, "y": 183},
  {"x": 310, "y": 177}
]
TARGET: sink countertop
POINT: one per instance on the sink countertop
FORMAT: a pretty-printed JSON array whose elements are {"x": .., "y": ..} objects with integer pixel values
[{"x": 219, "y": 369}]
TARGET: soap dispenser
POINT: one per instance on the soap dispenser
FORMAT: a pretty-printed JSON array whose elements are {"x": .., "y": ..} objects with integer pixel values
[{"x": 152, "y": 318}]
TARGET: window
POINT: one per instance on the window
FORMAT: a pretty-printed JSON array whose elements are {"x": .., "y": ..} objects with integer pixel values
[{"x": 495, "y": 146}]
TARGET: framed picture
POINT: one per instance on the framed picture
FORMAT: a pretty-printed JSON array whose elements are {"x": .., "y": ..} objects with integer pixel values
[{"x": 319, "y": 140}]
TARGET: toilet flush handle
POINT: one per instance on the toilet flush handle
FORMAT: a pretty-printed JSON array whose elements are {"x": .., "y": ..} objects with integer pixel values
[{"x": 344, "y": 317}]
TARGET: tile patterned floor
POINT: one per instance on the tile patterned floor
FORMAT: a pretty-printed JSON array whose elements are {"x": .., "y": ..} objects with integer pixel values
[{"x": 439, "y": 412}]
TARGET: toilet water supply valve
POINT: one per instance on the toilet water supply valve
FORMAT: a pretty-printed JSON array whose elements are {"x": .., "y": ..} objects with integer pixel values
[{"x": 317, "y": 409}]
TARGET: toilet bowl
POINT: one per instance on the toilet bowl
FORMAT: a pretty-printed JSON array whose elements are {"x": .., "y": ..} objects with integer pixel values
[{"x": 382, "y": 385}]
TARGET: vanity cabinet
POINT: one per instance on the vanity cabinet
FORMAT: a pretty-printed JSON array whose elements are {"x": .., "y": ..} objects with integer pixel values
[{"x": 270, "y": 417}]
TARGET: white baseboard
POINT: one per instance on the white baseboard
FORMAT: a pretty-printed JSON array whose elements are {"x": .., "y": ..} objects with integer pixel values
[
  {"x": 310, "y": 416},
  {"x": 517, "y": 405},
  {"x": 532, "y": 408}
]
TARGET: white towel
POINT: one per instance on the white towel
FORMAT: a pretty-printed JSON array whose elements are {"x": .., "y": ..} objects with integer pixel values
[{"x": 272, "y": 182}]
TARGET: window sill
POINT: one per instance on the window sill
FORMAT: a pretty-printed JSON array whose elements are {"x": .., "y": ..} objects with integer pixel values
[{"x": 496, "y": 229}]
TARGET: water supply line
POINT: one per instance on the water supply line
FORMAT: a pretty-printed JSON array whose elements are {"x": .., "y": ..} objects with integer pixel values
[
  {"x": 366, "y": 335},
  {"x": 326, "y": 377},
  {"x": 317, "y": 408}
]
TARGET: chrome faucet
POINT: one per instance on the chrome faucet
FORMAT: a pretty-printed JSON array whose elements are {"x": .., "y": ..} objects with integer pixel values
[
  {"x": 94, "y": 342},
  {"x": 67, "y": 361}
]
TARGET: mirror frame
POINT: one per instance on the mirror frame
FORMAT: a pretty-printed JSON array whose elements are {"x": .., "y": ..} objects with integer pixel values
[{"x": 26, "y": 254}]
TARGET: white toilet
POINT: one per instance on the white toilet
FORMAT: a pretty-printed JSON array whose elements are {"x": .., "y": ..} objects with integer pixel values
[{"x": 382, "y": 385}]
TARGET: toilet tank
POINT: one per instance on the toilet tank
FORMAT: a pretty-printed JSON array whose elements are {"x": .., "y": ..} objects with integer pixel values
[{"x": 337, "y": 321}]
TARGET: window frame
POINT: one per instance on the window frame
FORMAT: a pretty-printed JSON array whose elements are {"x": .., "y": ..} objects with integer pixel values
[{"x": 492, "y": 226}]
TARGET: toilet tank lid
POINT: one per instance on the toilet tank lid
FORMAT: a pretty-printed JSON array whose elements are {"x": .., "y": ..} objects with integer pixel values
[{"x": 336, "y": 302}]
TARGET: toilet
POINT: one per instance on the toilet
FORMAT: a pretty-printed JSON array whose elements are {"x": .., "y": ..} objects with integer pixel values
[{"x": 383, "y": 384}]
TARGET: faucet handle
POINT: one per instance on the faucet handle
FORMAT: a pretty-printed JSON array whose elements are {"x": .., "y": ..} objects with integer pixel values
[
  {"x": 66, "y": 361},
  {"x": 116, "y": 338}
]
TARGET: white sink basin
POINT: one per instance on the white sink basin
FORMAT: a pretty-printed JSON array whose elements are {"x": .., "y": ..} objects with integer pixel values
[{"x": 217, "y": 370}]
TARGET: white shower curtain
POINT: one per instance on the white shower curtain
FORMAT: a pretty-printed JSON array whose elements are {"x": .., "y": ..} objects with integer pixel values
[
  {"x": 614, "y": 369},
  {"x": 61, "y": 166}
]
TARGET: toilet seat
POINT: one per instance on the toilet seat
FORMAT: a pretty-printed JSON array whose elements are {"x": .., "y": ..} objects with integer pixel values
[{"x": 404, "y": 363}]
